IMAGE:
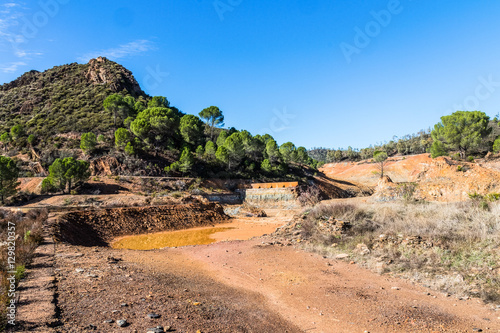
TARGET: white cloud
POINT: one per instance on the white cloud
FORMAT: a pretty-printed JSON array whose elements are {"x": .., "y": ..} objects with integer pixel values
[
  {"x": 10, "y": 5},
  {"x": 132, "y": 48},
  {"x": 12, "y": 67}
]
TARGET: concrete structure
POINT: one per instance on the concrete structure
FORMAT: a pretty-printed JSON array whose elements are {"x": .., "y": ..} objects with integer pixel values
[{"x": 275, "y": 185}]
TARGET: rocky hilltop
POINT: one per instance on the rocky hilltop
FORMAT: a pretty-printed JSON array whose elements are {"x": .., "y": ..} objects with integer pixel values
[{"x": 65, "y": 98}]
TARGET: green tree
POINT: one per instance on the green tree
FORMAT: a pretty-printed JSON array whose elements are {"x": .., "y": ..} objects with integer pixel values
[
  {"x": 186, "y": 161},
  {"x": 266, "y": 166},
  {"x": 496, "y": 145},
  {"x": 437, "y": 149},
  {"x": 129, "y": 149},
  {"x": 159, "y": 102},
  {"x": 380, "y": 157},
  {"x": 31, "y": 139},
  {"x": 221, "y": 155},
  {"x": 213, "y": 117},
  {"x": 88, "y": 142},
  {"x": 462, "y": 131},
  {"x": 16, "y": 131},
  {"x": 210, "y": 151},
  {"x": 122, "y": 137},
  {"x": 76, "y": 171},
  {"x": 199, "y": 152},
  {"x": 272, "y": 152},
  {"x": 9, "y": 174},
  {"x": 63, "y": 173},
  {"x": 288, "y": 151},
  {"x": 5, "y": 138},
  {"x": 117, "y": 106},
  {"x": 234, "y": 147},
  {"x": 191, "y": 129},
  {"x": 301, "y": 156},
  {"x": 252, "y": 146},
  {"x": 157, "y": 126},
  {"x": 221, "y": 139}
]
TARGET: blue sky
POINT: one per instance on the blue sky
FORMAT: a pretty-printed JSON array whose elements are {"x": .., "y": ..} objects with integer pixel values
[{"x": 314, "y": 72}]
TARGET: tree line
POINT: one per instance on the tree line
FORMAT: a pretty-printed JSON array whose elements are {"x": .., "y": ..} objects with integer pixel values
[
  {"x": 197, "y": 144},
  {"x": 461, "y": 135}
]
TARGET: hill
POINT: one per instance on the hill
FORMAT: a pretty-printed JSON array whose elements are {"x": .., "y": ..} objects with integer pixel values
[{"x": 65, "y": 99}]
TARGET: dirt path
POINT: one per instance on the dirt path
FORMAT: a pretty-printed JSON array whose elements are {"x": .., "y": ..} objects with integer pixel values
[{"x": 320, "y": 295}]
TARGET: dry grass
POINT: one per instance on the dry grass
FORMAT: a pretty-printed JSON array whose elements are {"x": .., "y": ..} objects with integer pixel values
[{"x": 459, "y": 250}]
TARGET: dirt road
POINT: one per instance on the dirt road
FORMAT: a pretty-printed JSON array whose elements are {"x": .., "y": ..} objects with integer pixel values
[{"x": 320, "y": 295}]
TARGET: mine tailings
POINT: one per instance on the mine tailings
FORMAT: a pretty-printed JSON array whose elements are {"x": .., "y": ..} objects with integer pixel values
[{"x": 100, "y": 227}]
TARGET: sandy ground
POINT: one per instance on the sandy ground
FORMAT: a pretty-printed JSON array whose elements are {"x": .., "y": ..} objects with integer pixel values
[
  {"x": 320, "y": 295},
  {"x": 256, "y": 285}
]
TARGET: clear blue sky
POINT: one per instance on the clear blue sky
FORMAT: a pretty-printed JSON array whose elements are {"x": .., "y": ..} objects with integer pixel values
[{"x": 314, "y": 72}]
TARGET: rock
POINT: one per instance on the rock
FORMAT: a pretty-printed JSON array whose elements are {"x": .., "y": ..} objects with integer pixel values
[
  {"x": 342, "y": 256},
  {"x": 121, "y": 323},
  {"x": 475, "y": 329},
  {"x": 157, "y": 329},
  {"x": 380, "y": 267},
  {"x": 153, "y": 315},
  {"x": 124, "y": 304},
  {"x": 395, "y": 288},
  {"x": 362, "y": 249},
  {"x": 108, "y": 321},
  {"x": 79, "y": 270}
]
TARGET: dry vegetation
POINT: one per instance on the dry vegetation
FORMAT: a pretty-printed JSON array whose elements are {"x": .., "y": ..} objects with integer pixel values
[
  {"x": 28, "y": 231},
  {"x": 451, "y": 247}
]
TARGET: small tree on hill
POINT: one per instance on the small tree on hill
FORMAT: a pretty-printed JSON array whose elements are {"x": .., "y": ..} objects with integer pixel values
[
  {"x": 64, "y": 173},
  {"x": 210, "y": 151},
  {"x": 186, "y": 161},
  {"x": 9, "y": 174},
  {"x": 496, "y": 145},
  {"x": 122, "y": 137},
  {"x": 16, "y": 132},
  {"x": 213, "y": 117},
  {"x": 191, "y": 129},
  {"x": 380, "y": 157},
  {"x": 88, "y": 142}
]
